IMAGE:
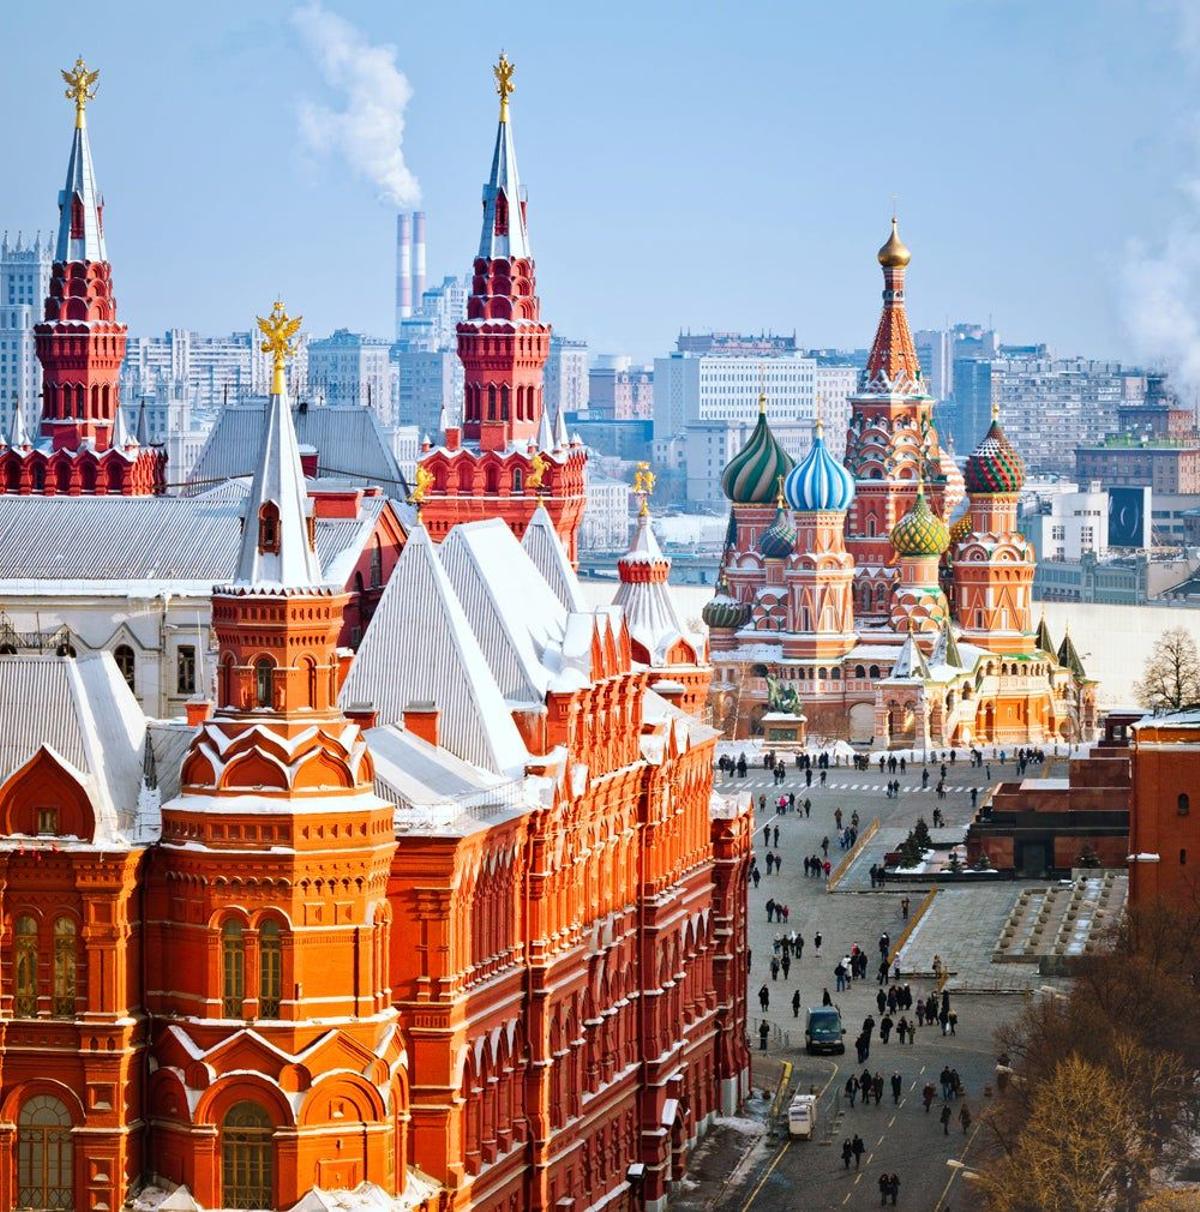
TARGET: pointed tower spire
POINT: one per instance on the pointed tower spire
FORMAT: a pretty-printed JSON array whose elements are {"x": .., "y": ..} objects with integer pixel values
[
  {"x": 277, "y": 537},
  {"x": 1069, "y": 658},
  {"x": 143, "y": 425},
  {"x": 80, "y": 207},
  {"x": 121, "y": 438},
  {"x": 1042, "y": 640},
  {"x": 504, "y": 230},
  {"x": 20, "y": 435},
  {"x": 561, "y": 438},
  {"x": 545, "y": 438},
  {"x": 892, "y": 366}
]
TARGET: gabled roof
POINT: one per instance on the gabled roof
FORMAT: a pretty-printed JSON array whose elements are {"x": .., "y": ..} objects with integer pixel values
[
  {"x": 288, "y": 563},
  {"x": 349, "y": 444},
  {"x": 911, "y": 662},
  {"x": 420, "y": 648},
  {"x": 514, "y": 613},
  {"x": 80, "y": 191},
  {"x": 83, "y": 712},
  {"x": 1069, "y": 658},
  {"x": 545, "y": 549}
]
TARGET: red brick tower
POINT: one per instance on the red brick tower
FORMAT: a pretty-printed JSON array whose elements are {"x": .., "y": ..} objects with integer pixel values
[
  {"x": 84, "y": 447},
  {"x": 506, "y": 457},
  {"x": 891, "y": 443},
  {"x": 279, "y": 1061}
]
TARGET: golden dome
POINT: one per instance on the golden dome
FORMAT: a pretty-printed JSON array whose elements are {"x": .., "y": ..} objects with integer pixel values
[{"x": 894, "y": 253}]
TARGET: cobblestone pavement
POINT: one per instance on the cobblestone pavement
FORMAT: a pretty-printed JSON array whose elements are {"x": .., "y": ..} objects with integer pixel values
[{"x": 736, "y": 1168}]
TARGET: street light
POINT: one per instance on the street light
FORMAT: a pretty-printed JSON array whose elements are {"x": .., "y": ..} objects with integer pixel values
[{"x": 962, "y": 1168}]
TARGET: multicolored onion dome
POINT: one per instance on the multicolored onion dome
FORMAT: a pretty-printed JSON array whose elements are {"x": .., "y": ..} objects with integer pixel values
[
  {"x": 960, "y": 529},
  {"x": 820, "y": 482},
  {"x": 920, "y": 532},
  {"x": 778, "y": 541},
  {"x": 994, "y": 465},
  {"x": 724, "y": 610},
  {"x": 753, "y": 473}
]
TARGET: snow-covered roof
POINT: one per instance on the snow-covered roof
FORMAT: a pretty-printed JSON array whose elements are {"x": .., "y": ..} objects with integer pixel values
[
  {"x": 288, "y": 562},
  {"x": 144, "y": 546},
  {"x": 421, "y": 648},
  {"x": 348, "y": 440},
  {"x": 545, "y": 549},
  {"x": 85, "y": 715}
]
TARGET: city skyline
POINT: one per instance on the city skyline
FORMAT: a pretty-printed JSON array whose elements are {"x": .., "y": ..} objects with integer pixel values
[{"x": 1075, "y": 171}]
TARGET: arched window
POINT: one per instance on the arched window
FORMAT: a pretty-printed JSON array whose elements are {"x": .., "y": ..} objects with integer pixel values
[
  {"x": 836, "y": 674},
  {"x": 859, "y": 671},
  {"x": 466, "y": 477},
  {"x": 247, "y": 1158},
  {"x": 123, "y": 655},
  {"x": 491, "y": 402},
  {"x": 87, "y": 477},
  {"x": 227, "y": 678},
  {"x": 871, "y": 527},
  {"x": 64, "y": 968},
  {"x": 880, "y": 596},
  {"x": 491, "y": 480},
  {"x": 233, "y": 971},
  {"x": 518, "y": 480},
  {"x": 501, "y": 213},
  {"x": 12, "y": 478},
  {"x": 504, "y": 402},
  {"x": 270, "y": 970},
  {"x": 62, "y": 476},
  {"x": 45, "y": 1156},
  {"x": 262, "y": 681},
  {"x": 1184, "y": 803},
  {"x": 309, "y": 666},
  {"x": 268, "y": 528},
  {"x": 376, "y": 562},
  {"x": 874, "y": 671},
  {"x": 38, "y": 472},
  {"x": 25, "y": 968}
]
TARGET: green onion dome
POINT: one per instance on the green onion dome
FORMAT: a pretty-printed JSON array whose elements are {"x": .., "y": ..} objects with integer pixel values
[
  {"x": 724, "y": 610},
  {"x": 994, "y": 465},
  {"x": 778, "y": 541},
  {"x": 752, "y": 474},
  {"x": 920, "y": 532}
]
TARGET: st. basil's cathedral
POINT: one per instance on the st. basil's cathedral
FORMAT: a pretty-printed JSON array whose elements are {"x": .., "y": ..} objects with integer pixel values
[{"x": 848, "y": 598}]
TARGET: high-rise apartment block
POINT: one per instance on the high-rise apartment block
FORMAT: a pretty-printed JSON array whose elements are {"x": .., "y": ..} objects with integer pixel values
[
  {"x": 566, "y": 376},
  {"x": 620, "y": 391},
  {"x": 833, "y": 385},
  {"x": 24, "y": 285},
  {"x": 935, "y": 348},
  {"x": 350, "y": 368},
  {"x": 426, "y": 369}
]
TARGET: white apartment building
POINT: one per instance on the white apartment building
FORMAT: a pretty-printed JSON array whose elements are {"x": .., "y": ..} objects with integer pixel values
[
  {"x": 348, "y": 369},
  {"x": 834, "y": 385},
  {"x": 1068, "y": 525},
  {"x": 935, "y": 352},
  {"x": 698, "y": 388},
  {"x": 605, "y": 524},
  {"x": 24, "y": 285},
  {"x": 427, "y": 376},
  {"x": 566, "y": 375}
]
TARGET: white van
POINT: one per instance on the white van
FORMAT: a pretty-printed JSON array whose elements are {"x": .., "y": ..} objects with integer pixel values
[{"x": 802, "y": 1116}]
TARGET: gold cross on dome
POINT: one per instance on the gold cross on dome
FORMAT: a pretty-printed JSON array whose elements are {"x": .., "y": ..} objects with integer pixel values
[
  {"x": 81, "y": 87},
  {"x": 503, "y": 71}
]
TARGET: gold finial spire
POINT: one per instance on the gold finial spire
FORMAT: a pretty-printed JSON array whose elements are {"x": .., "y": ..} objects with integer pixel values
[
  {"x": 762, "y": 402},
  {"x": 503, "y": 71},
  {"x": 278, "y": 329},
  {"x": 819, "y": 426},
  {"x": 995, "y": 410},
  {"x": 81, "y": 88},
  {"x": 894, "y": 254},
  {"x": 780, "y": 499},
  {"x": 643, "y": 486}
]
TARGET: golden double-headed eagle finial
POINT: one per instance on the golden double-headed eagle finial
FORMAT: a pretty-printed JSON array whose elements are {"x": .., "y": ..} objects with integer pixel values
[
  {"x": 81, "y": 87},
  {"x": 503, "y": 71},
  {"x": 278, "y": 329},
  {"x": 643, "y": 486}
]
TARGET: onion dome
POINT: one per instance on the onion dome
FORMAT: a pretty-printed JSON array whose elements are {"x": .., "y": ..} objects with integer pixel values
[
  {"x": 894, "y": 254},
  {"x": 751, "y": 475},
  {"x": 724, "y": 610},
  {"x": 961, "y": 528},
  {"x": 778, "y": 541},
  {"x": 994, "y": 465},
  {"x": 820, "y": 482},
  {"x": 920, "y": 532}
]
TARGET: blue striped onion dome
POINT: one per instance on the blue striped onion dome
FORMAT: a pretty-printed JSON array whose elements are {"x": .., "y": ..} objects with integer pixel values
[
  {"x": 820, "y": 482},
  {"x": 920, "y": 532},
  {"x": 778, "y": 541},
  {"x": 751, "y": 476}
]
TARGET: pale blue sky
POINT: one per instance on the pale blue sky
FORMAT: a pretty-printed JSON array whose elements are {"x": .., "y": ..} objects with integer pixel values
[{"x": 723, "y": 165}]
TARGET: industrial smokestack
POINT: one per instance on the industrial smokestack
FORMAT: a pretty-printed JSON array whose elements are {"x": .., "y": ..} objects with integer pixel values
[
  {"x": 418, "y": 268},
  {"x": 403, "y": 268}
]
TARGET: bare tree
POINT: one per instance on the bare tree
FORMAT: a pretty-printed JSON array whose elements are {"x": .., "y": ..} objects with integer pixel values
[{"x": 1171, "y": 679}]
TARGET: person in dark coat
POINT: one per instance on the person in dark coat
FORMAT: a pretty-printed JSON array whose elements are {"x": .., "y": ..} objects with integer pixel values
[
  {"x": 796, "y": 1004},
  {"x": 945, "y": 1118},
  {"x": 897, "y": 1082},
  {"x": 851, "y": 1089},
  {"x": 847, "y": 1152},
  {"x": 764, "y": 1033},
  {"x": 859, "y": 1149},
  {"x": 894, "y": 1187}
]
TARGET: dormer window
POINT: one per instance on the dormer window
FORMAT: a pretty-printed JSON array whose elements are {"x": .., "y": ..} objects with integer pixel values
[
  {"x": 501, "y": 213},
  {"x": 47, "y": 822},
  {"x": 268, "y": 528},
  {"x": 76, "y": 218}
]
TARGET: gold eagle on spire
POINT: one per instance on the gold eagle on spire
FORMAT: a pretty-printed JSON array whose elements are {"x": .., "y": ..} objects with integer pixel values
[
  {"x": 278, "y": 329},
  {"x": 81, "y": 85}
]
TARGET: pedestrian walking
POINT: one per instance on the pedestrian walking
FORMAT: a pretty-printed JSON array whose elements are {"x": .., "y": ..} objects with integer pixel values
[
  {"x": 878, "y": 1086},
  {"x": 945, "y": 1118},
  {"x": 894, "y": 1187},
  {"x": 774, "y": 968},
  {"x": 897, "y": 1082},
  {"x": 796, "y": 1004},
  {"x": 826, "y": 1000},
  {"x": 764, "y": 1033},
  {"x": 964, "y": 1118},
  {"x": 825, "y": 846},
  {"x": 851, "y": 1090},
  {"x": 764, "y": 998},
  {"x": 785, "y": 964},
  {"x": 928, "y": 1093},
  {"x": 858, "y": 1148},
  {"x": 952, "y": 1019},
  {"x": 817, "y": 943},
  {"x": 885, "y": 1187},
  {"x": 847, "y": 1151}
]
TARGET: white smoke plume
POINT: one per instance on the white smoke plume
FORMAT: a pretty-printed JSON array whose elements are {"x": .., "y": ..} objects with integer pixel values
[
  {"x": 1162, "y": 280},
  {"x": 367, "y": 131}
]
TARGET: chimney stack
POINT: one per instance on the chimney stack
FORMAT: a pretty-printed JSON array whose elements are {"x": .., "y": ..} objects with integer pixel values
[
  {"x": 403, "y": 269},
  {"x": 418, "y": 258}
]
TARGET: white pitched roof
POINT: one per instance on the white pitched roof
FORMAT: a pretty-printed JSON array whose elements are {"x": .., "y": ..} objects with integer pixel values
[
  {"x": 278, "y": 481},
  {"x": 561, "y": 439},
  {"x": 514, "y": 613},
  {"x": 420, "y": 648},
  {"x": 85, "y": 714},
  {"x": 545, "y": 549},
  {"x": 81, "y": 184}
]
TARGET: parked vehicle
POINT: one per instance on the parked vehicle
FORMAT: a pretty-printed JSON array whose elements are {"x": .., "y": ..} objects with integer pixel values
[{"x": 802, "y": 1116}]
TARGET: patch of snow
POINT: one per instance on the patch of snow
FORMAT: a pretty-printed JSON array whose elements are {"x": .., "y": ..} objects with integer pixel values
[{"x": 736, "y": 1123}]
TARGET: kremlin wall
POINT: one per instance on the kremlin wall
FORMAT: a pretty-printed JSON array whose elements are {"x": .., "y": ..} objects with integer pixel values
[{"x": 442, "y": 910}]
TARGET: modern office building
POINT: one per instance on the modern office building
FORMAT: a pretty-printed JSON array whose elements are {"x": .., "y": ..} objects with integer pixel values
[
  {"x": 620, "y": 391},
  {"x": 24, "y": 284},
  {"x": 1068, "y": 524},
  {"x": 935, "y": 348},
  {"x": 566, "y": 376}
]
